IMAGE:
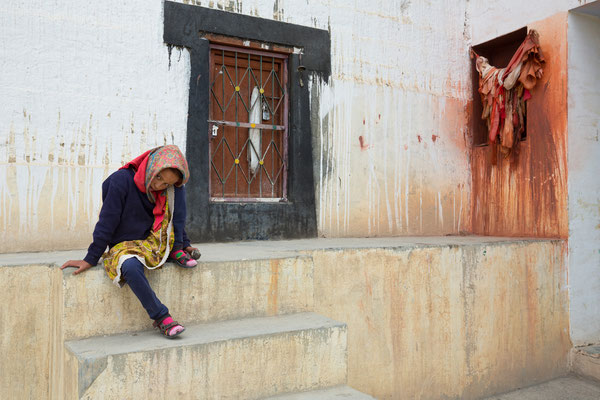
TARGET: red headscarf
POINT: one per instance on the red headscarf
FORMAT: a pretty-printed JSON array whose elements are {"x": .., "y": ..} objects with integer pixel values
[{"x": 148, "y": 165}]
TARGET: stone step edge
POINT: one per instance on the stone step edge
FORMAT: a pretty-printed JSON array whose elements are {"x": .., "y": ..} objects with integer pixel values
[
  {"x": 199, "y": 334},
  {"x": 278, "y": 249},
  {"x": 333, "y": 393}
]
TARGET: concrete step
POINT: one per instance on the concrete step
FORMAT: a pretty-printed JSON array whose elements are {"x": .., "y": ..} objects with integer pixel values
[
  {"x": 245, "y": 358},
  {"x": 334, "y": 393},
  {"x": 213, "y": 291},
  {"x": 585, "y": 361}
]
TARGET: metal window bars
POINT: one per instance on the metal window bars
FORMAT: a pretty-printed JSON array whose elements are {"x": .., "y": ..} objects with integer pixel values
[{"x": 248, "y": 114}]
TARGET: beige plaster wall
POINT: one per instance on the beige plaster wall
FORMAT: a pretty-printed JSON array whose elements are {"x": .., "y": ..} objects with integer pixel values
[
  {"x": 448, "y": 322},
  {"x": 31, "y": 341},
  {"x": 217, "y": 291}
]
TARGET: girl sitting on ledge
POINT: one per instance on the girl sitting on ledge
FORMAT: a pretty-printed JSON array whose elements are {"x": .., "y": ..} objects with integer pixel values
[{"x": 142, "y": 222}]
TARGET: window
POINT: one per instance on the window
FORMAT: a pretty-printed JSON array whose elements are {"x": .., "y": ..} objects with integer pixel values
[
  {"x": 251, "y": 163},
  {"x": 247, "y": 124},
  {"x": 498, "y": 51}
]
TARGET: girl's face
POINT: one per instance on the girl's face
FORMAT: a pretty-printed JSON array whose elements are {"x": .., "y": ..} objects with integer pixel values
[{"x": 163, "y": 180}]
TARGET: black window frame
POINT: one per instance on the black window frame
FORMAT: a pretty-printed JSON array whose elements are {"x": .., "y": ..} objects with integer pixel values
[{"x": 208, "y": 221}]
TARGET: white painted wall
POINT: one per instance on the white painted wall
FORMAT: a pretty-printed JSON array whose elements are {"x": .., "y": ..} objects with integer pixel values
[
  {"x": 490, "y": 19},
  {"x": 401, "y": 81},
  {"x": 390, "y": 86},
  {"x": 584, "y": 181},
  {"x": 86, "y": 86}
]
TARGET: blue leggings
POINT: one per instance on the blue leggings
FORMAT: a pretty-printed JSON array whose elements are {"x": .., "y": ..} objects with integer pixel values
[{"x": 132, "y": 271}]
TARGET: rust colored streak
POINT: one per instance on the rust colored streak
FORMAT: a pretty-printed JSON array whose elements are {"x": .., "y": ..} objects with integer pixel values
[
  {"x": 419, "y": 138},
  {"x": 532, "y": 305},
  {"x": 363, "y": 145},
  {"x": 273, "y": 293},
  {"x": 368, "y": 286},
  {"x": 434, "y": 138},
  {"x": 526, "y": 194}
]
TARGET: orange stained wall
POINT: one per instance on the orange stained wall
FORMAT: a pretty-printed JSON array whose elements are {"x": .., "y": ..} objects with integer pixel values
[{"x": 526, "y": 194}]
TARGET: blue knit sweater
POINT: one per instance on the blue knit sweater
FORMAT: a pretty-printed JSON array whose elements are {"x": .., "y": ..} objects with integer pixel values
[{"x": 126, "y": 214}]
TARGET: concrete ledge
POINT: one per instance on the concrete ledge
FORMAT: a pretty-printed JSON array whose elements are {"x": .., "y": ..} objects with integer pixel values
[
  {"x": 247, "y": 358},
  {"x": 269, "y": 249}
]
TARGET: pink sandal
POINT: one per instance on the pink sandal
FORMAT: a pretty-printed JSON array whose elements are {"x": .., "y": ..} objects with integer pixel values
[
  {"x": 182, "y": 259},
  {"x": 168, "y": 327}
]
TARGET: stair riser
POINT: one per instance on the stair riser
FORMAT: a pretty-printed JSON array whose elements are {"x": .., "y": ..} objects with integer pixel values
[
  {"x": 94, "y": 306},
  {"x": 247, "y": 368}
]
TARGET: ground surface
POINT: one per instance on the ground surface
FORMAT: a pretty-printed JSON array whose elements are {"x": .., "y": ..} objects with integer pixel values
[{"x": 566, "y": 388}]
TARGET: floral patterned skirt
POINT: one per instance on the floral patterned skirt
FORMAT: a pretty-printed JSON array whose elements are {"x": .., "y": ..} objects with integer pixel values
[{"x": 152, "y": 252}]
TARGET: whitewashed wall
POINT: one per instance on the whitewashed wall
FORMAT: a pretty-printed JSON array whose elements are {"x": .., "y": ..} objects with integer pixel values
[
  {"x": 584, "y": 184},
  {"x": 391, "y": 145},
  {"x": 490, "y": 19},
  {"x": 86, "y": 86},
  {"x": 390, "y": 127}
]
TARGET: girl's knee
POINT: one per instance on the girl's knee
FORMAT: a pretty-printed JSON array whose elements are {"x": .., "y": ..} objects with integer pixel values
[{"x": 131, "y": 267}]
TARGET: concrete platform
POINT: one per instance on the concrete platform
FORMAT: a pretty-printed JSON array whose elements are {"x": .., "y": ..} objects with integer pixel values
[
  {"x": 246, "y": 358},
  {"x": 336, "y": 393},
  {"x": 567, "y": 388},
  {"x": 497, "y": 307}
]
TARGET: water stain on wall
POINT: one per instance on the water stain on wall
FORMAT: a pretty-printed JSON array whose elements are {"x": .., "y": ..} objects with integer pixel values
[
  {"x": 52, "y": 163},
  {"x": 399, "y": 192},
  {"x": 526, "y": 194},
  {"x": 53, "y": 184}
]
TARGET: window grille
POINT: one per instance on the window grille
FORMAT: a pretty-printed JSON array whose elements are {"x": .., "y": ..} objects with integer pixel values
[{"x": 248, "y": 127}]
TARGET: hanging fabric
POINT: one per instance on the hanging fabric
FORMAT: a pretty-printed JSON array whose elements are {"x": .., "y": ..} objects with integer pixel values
[
  {"x": 504, "y": 92},
  {"x": 255, "y": 145}
]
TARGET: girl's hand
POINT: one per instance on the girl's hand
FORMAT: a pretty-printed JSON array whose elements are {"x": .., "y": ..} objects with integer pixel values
[{"x": 81, "y": 265}]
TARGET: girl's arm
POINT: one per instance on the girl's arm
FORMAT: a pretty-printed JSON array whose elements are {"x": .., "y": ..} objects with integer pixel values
[
  {"x": 181, "y": 237},
  {"x": 179, "y": 215},
  {"x": 114, "y": 191}
]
